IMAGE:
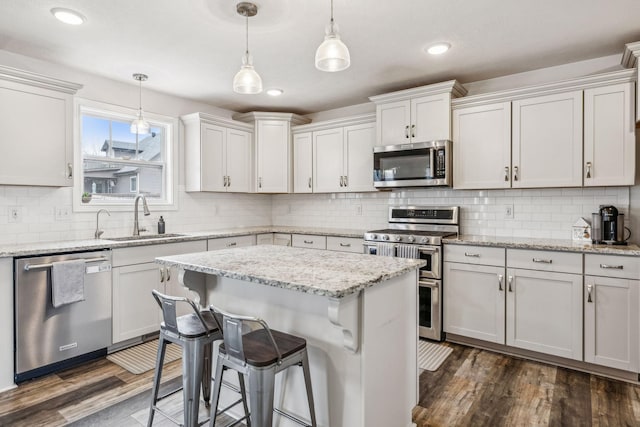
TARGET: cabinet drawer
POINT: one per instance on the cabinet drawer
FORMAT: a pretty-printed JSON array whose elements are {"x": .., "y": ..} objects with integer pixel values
[
  {"x": 345, "y": 244},
  {"x": 565, "y": 262},
  {"x": 147, "y": 253},
  {"x": 231, "y": 242},
  {"x": 625, "y": 267},
  {"x": 474, "y": 255},
  {"x": 308, "y": 241}
]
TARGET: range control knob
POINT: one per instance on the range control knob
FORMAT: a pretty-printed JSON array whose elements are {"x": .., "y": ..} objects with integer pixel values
[
  {"x": 372, "y": 237},
  {"x": 411, "y": 239},
  {"x": 398, "y": 238},
  {"x": 424, "y": 239},
  {"x": 385, "y": 237}
]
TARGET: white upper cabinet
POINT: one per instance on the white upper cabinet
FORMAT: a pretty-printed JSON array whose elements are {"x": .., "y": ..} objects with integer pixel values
[
  {"x": 273, "y": 148},
  {"x": 482, "y": 146},
  {"x": 37, "y": 127},
  {"x": 303, "y": 163},
  {"x": 609, "y": 135},
  {"x": 218, "y": 154},
  {"x": 547, "y": 141},
  {"x": 328, "y": 161},
  {"x": 359, "y": 141},
  {"x": 416, "y": 115}
]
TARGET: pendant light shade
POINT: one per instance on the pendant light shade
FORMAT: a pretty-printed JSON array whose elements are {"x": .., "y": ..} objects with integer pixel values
[
  {"x": 332, "y": 55},
  {"x": 139, "y": 125},
  {"x": 247, "y": 80}
]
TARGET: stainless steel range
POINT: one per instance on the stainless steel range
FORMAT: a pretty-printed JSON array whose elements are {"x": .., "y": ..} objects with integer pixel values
[{"x": 417, "y": 232}]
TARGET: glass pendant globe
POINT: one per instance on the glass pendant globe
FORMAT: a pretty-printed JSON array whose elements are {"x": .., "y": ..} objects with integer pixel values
[
  {"x": 247, "y": 80},
  {"x": 139, "y": 125},
  {"x": 332, "y": 55}
]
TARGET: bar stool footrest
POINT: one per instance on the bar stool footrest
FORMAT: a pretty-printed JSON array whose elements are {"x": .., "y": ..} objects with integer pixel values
[{"x": 291, "y": 417}]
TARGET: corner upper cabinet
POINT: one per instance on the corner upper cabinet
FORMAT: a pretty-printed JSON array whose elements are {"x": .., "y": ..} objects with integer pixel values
[
  {"x": 416, "y": 115},
  {"x": 218, "y": 154},
  {"x": 303, "y": 162},
  {"x": 609, "y": 135},
  {"x": 26, "y": 99},
  {"x": 482, "y": 146},
  {"x": 547, "y": 141},
  {"x": 273, "y": 148}
]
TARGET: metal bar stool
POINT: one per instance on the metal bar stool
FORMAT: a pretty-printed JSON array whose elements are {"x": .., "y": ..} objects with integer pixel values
[
  {"x": 195, "y": 333},
  {"x": 259, "y": 354}
]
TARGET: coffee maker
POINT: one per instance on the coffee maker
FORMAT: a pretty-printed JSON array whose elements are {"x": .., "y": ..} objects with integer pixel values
[{"x": 608, "y": 227}]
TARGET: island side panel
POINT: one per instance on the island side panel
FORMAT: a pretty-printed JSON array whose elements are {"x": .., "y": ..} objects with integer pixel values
[
  {"x": 336, "y": 373},
  {"x": 389, "y": 347},
  {"x": 6, "y": 319}
]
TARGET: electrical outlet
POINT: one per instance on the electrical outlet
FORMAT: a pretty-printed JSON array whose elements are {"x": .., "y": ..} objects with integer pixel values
[
  {"x": 63, "y": 213},
  {"x": 358, "y": 209},
  {"x": 508, "y": 211},
  {"x": 15, "y": 214}
]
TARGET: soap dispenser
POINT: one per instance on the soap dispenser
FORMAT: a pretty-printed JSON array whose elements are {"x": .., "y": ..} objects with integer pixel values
[{"x": 161, "y": 225}]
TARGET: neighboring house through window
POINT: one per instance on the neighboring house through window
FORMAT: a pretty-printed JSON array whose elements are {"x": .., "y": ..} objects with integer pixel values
[{"x": 116, "y": 165}]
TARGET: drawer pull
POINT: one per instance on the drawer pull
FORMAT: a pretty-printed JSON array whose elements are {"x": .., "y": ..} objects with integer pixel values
[
  {"x": 612, "y": 267},
  {"x": 500, "y": 279},
  {"x": 471, "y": 255},
  {"x": 543, "y": 261},
  {"x": 231, "y": 244},
  {"x": 308, "y": 242},
  {"x": 345, "y": 245},
  {"x": 589, "y": 299}
]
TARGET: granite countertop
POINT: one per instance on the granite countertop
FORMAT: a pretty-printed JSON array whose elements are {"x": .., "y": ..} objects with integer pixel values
[
  {"x": 326, "y": 273},
  {"x": 544, "y": 244},
  {"x": 29, "y": 249}
]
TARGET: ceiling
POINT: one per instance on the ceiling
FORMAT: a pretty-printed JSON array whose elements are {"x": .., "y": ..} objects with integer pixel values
[{"x": 193, "y": 48}]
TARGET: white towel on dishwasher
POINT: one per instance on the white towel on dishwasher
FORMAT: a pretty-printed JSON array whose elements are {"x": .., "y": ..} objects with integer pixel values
[
  {"x": 386, "y": 249},
  {"x": 67, "y": 282},
  {"x": 408, "y": 251}
]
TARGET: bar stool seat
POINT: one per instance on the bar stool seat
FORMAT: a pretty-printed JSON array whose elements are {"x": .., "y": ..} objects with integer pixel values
[
  {"x": 195, "y": 333},
  {"x": 259, "y": 355}
]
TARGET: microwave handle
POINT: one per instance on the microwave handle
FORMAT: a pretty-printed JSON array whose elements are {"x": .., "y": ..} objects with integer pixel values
[{"x": 432, "y": 159}]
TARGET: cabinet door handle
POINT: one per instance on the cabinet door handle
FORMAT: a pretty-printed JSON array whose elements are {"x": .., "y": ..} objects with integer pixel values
[
  {"x": 168, "y": 270},
  {"x": 406, "y": 131},
  {"x": 308, "y": 242},
  {"x": 161, "y": 275},
  {"x": 471, "y": 255},
  {"x": 260, "y": 182},
  {"x": 510, "y": 283},
  {"x": 309, "y": 182},
  {"x": 69, "y": 170},
  {"x": 588, "y": 169},
  {"x": 500, "y": 279},
  {"x": 346, "y": 181},
  {"x": 589, "y": 298},
  {"x": 225, "y": 181},
  {"x": 612, "y": 267},
  {"x": 506, "y": 173},
  {"x": 543, "y": 261},
  {"x": 341, "y": 181},
  {"x": 228, "y": 181},
  {"x": 413, "y": 131},
  {"x": 345, "y": 245},
  {"x": 515, "y": 173}
]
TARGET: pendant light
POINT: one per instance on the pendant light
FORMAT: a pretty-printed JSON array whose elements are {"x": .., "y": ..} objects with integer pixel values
[
  {"x": 140, "y": 125},
  {"x": 247, "y": 80},
  {"x": 332, "y": 55}
]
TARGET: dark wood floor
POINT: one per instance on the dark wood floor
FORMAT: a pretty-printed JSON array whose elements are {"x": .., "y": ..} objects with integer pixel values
[{"x": 472, "y": 388}]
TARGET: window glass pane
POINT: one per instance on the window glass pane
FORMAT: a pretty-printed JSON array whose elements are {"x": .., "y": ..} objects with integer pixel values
[
  {"x": 111, "y": 180},
  {"x": 95, "y": 131}
]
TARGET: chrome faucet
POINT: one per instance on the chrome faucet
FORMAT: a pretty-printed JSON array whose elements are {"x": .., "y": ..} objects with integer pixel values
[
  {"x": 99, "y": 232},
  {"x": 136, "y": 228}
]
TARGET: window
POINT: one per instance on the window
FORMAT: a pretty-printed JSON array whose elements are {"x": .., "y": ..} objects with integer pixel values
[{"x": 115, "y": 165}]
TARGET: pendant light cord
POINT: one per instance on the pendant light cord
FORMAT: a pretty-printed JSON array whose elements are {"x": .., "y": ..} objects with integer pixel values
[
  {"x": 246, "y": 15},
  {"x": 331, "y": 22},
  {"x": 140, "y": 93}
]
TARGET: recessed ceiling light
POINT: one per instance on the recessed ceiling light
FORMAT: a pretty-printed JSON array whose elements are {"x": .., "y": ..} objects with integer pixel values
[
  {"x": 438, "y": 48},
  {"x": 68, "y": 16},
  {"x": 275, "y": 92}
]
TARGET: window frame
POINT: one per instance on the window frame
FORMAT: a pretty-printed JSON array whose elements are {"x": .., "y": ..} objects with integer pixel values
[
  {"x": 133, "y": 179},
  {"x": 116, "y": 112}
]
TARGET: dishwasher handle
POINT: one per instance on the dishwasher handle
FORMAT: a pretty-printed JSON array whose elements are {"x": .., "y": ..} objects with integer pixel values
[{"x": 29, "y": 267}]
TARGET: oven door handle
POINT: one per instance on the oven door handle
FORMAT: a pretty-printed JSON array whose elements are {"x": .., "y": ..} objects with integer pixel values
[
  {"x": 433, "y": 285},
  {"x": 428, "y": 249}
]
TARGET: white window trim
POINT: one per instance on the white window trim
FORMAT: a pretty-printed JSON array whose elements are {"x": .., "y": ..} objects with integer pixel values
[
  {"x": 171, "y": 162},
  {"x": 131, "y": 178}
]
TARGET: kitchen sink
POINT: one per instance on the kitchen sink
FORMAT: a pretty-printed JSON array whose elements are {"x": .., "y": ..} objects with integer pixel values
[{"x": 143, "y": 237}]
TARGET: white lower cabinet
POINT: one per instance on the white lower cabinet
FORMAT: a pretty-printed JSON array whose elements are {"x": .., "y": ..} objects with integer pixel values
[
  {"x": 135, "y": 275},
  {"x": 611, "y": 306},
  {"x": 544, "y": 312},
  {"x": 345, "y": 244},
  {"x": 473, "y": 301},
  {"x": 231, "y": 242},
  {"x": 308, "y": 241}
]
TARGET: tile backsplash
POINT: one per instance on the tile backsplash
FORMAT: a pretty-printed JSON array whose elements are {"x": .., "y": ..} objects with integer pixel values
[
  {"x": 46, "y": 214},
  {"x": 537, "y": 213}
]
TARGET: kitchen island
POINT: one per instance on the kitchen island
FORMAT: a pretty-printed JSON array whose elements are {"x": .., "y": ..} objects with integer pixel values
[{"x": 357, "y": 312}]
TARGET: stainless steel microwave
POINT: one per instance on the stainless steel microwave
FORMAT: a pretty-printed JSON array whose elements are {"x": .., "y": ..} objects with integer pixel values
[{"x": 420, "y": 164}]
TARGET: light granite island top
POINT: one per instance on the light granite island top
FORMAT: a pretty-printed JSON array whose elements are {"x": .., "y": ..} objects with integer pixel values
[
  {"x": 327, "y": 273},
  {"x": 357, "y": 312}
]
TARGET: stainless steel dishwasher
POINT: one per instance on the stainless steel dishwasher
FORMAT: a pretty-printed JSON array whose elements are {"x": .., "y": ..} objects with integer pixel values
[{"x": 48, "y": 338}]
